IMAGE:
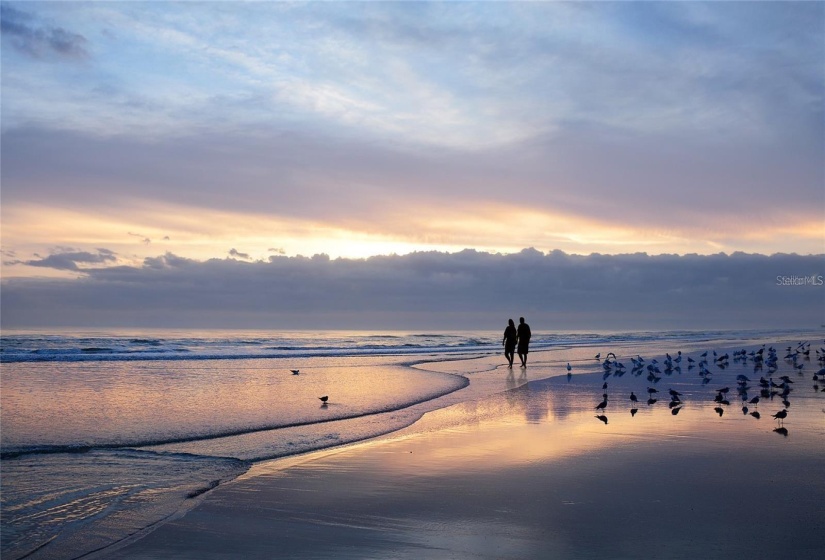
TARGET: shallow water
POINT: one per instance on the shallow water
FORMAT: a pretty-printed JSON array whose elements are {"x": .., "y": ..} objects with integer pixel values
[{"x": 130, "y": 440}]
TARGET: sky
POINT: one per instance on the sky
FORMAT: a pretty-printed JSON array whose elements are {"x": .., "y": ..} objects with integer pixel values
[{"x": 172, "y": 162}]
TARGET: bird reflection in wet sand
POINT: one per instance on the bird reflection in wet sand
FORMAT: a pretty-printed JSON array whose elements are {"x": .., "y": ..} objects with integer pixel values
[
  {"x": 633, "y": 411},
  {"x": 781, "y": 431},
  {"x": 602, "y": 417},
  {"x": 651, "y": 401},
  {"x": 719, "y": 410},
  {"x": 675, "y": 411},
  {"x": 756, "y": 414}
]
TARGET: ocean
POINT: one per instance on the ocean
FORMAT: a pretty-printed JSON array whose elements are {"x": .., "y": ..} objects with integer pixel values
[{"x": 104, "y": 435}]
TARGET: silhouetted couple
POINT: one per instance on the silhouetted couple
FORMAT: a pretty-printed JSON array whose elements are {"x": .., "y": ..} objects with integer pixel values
[{"x": 516, "y": 337}]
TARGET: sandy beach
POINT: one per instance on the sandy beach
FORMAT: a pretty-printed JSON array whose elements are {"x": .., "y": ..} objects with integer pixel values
[{"x": 533, "y": 473}]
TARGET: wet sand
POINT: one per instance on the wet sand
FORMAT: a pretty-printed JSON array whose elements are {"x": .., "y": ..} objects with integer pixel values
[{"x": 532, "y": 473}]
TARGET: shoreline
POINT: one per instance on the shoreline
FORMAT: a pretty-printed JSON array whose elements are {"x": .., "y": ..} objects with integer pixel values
[
  {"x": 386, "y": 496},
  {"x": 493, "y": 394}
]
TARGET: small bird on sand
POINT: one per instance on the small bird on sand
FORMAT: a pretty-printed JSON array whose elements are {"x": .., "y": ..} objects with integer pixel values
[
  {"x": 323, "y": 399},
  {"x": 633, "y": 397},
  {"x": 781, "y": 415},
  {"x": 568, "y": 367},
  {"x": 295, "y": 371}
]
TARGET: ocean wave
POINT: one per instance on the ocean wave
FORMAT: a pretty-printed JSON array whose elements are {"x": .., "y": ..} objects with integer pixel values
[
  {"x": 12, "y": 452},
  {"x": 39, "y": 348}
]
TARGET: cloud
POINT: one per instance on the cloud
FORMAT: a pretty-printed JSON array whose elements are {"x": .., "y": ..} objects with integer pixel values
[
  {"x": 465, "y": 290},
  {"x": 235, "y": 253},
  {"x": 169, "y": 260},
  {"x": 708, "y": 193},
  {"x": 30, "y": 37},
  {"x": 145, "y": 240},
  {"x": 67, "y": 259}
]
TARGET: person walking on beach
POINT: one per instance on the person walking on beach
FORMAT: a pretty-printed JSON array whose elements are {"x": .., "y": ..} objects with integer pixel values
[
  {"x": 523, "y": 333},
  {"x": 510, "y": 337}
]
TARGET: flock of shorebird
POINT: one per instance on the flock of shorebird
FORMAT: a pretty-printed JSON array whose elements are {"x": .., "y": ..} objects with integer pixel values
[{"x": 765, "y": 359}]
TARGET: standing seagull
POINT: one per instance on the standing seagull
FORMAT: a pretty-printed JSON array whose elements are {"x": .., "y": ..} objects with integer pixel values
[
  {"x": 295, "y": 371},
  {"x": 633, "y": 398},
  {"x": 781, "y": 415},
  {"x": 323, "y": 399}
]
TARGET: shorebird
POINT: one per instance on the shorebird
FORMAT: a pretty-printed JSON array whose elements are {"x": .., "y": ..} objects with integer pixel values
[
  {"x": 781, "y": 415},
  {"x": 651, "y": 390},
  {"x": 569, "y": 369},
  {"x": 599, "y": 356},
  {"x": 323, "y": 399},
  {"x": 602, "y": 405},
  {"x": 295, "y": 371},
  {"x": 633, "y": 398},
  {"x": 674, "y": 393}
]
